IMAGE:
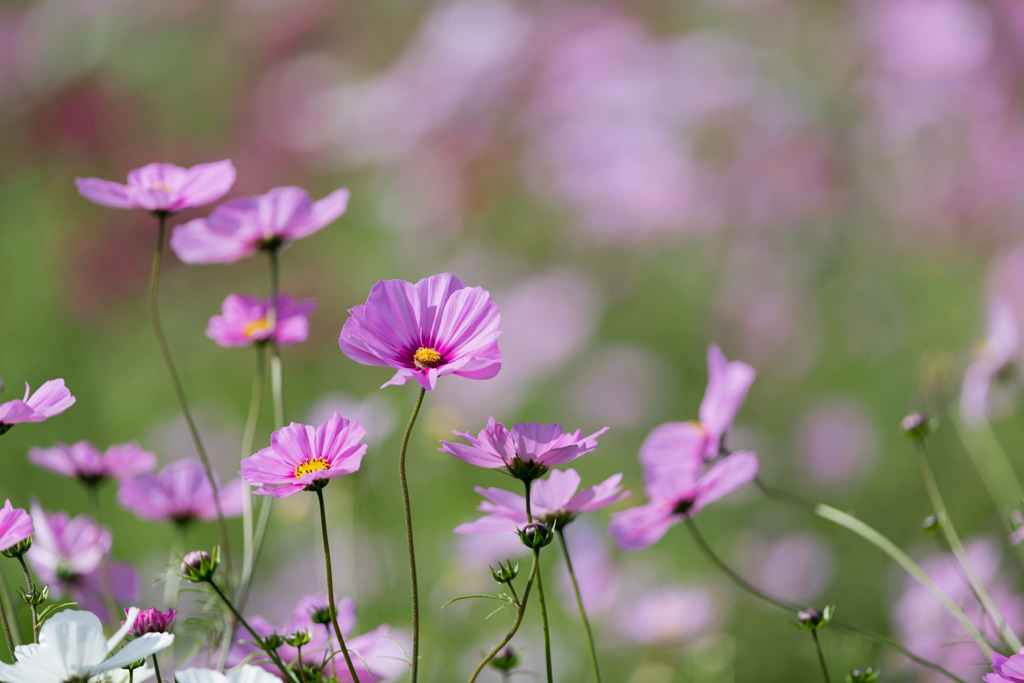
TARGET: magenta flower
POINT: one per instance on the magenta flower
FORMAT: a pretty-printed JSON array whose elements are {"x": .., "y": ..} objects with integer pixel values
[
  {"x": 728, "y": 383},
  {"x": 15, "y": 526},
  {"x": 151, "y": 620},
  {"x": 53, "y": 398},
  {"x": 162, "y": 188},
  {"x": 303, "y": 458},
  {"x": 526, "y": 451},
  {"x": 180, "y": 492},
  {"x": 242, "y": 227},
  {"x": 246, "y": 320},
  {"x": 673, "y": 458},
  {"x": 554, "y": 501},
  {"x": 85, "y": 462},
  {"x": 67, "y": 554},
  {"x": 438, "y": 326},
  {"x": 1006, "y": 669}
]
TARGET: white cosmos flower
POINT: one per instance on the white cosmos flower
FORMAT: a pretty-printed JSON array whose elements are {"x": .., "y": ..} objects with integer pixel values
[
  {"x": 243, "y": 674},
  {"x": 72, "y": 649}
]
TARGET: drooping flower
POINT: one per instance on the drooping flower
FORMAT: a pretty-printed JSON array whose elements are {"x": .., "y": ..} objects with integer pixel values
[
  {"x": 728, "y": 383},
  {"x": 68, "y": 555},
  {"x": 242, "y": 674},
  {"x": 526, "y": 451},
  {"x": 162, "y": 188},
  {"x": 242, "y": 227},
  {"x": 555, "y": 501},
  {"x": 991, "y": 359},
  {"x": 180, "y": 492},
  {"x": 304, "y": 458},
  {"x": 150, "y": 620},
  {"x": 672, "y": 457},
  {"x": 246, "y": 320},
  {"x": 72, "y": 648},
  {"x": 435, "y": 327},
  {"x": 52, "y": 398},
  {"x": 1006, "y": 669},
  {"x": 85, "y": 462},
  {"x": 15, "y": 526}
]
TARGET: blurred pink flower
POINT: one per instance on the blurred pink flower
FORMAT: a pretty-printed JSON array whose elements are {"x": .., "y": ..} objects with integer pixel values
[
  {"x": 672, "y": 457},
  {"x": 68, "y": 555},
  {"x": 179, "y": 492},
  {"x": 667, "y": 616},
  {"x": 795, "y": 567},
  {"x": 15, "y": 526},
  {"x": 52, "y": 398},
  {"x": 85, "y": 462},
  {"x": 837, "y": 441},
  {"x": 305, "y": 458},
  {"x": 728, "y": 383},
  {"x": 992, "y": 357},
  {"x": 162, "y": 188},
  {"x": 555, "y": 500},
  {"x": 526, "y": 450},
  {"x": 245, "y": 320},
  {"x": 1006, "y": 669},
  {"x": 438, "y": 326},
  {"x": 243, "y": 227}
]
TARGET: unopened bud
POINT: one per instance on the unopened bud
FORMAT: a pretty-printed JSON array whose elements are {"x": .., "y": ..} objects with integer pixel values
[
  {"x": 321, "y": 615},
  {"x": 811, "y": 619},
  {"x": 931, "y": 524},
  {"x": 862, "y": 675},
  {"x": 297, "y": 639},
  {"x": 506, "y": 659},
  {"x": 536, "y": 535},
  {"x": 916, "y": 425},
  {"x": 199, "y": 565},
  {"x": 272, "y": 642},
  {"x": 505, "y": 572}
]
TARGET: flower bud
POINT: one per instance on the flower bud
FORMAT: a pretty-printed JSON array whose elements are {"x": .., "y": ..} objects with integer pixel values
[
  {"x": 152, "y": 620},
  {"x": 931, "y": 524},
  {"x": 18, "y": 549},
  {"x": 505, "y": 572},
  {"x": 36, "y": 597},
  {"x": 272, "y": 642},
  {"x": 916, "y": 425},
  {"x": 506, "y": 659},
  {"x": 321, "y": 615},
  {"x": 199, "y": 565},
  {"x": 811, "y": 619},
  {"x": 862, "y": 675},
  {"x": 297, "y": 639},
  {"x": 536, "y": 535}
]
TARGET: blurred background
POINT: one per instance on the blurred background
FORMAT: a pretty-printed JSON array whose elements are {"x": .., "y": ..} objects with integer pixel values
[{"x": 830, "y": 191}]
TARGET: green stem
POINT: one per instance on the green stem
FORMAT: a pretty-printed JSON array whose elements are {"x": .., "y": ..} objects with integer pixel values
[
  {"x": 540, "y": 590},
  {"x": 179, "y": 392},
  {"x": 959, "y": 552},
  {"x": 330, "y": 587},
  {"x": 520, "y": 610},
  {"x": 105, "y": 581},
  {"x": 5, "y": 594},
  {"x": 791, "y": 609},
  {"x": 821, "y": 656},
  {"x": 409, "y": 539},
  {"x": 156, "y": 670},
  {"x": 302, "y": 669},
  {"x": 579, "y": 604},
  {"x": 30, "y": 587},
  {"x": 248, "y": 436},
  {"x": 7, "y": 630},
  {"x": 276, "y": 380},
  {"x": 288, "y": 673}
]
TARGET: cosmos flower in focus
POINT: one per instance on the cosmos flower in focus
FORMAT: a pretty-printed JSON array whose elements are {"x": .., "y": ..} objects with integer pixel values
[
  {"x": 242, "y": 227},
  {"x": 150, "y": 620},
  {"x": 52, "y": 398},
  {"x": 435, "y": 327},
  {"x": 163, "y": 188},
  {"x": 246, "y": 320}
]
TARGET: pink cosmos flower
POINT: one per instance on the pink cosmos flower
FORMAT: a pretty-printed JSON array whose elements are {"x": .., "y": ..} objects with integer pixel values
[
  {"x": 728, "y": 383},
  {"x": 245, "y": 320},
  {"x": 303, "y": 458},
  {"x": 53, "y": 398},
  {"x": 672, "y": 458},
  {"x": 526, "y": 450},
  {"x": 151, "y": 620},
  {"x": 15, "y": 526},
  {"x": 438, "y": 326},
  {"x": 996, "y": 353},
  {"x": 68, "y": 554},
  {"x": 554, "y": 500},
  {"x": 162, "y": 188},
  {"x": 179, "y": 492},
  {"x": 242, "y": 227},
  {"x": 1006, "y": 669},
  {"x": 85, "y": 462}
]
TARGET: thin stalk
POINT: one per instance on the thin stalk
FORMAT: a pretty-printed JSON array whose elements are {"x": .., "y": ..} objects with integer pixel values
[
  {"x": 579, "y": 604},
  {"x": 30, "y": 587},
  {"x": 248, "y": 436},
  {"x": 105, "y": 581},
  {"x": 959, "y": 552},
  {"x": 177, "y": 552},
  {"x": 7, "y": 630},
  {"x": 330, "y": 588},
  {"x": 540, "y": 591},
  {"x": 409, "y": 540},
  {"x": 156, "y": 670},
  {"x": 5, "y": 594},
  {"x": 520, "y": 610},
  {"x": 288, "y": 673},
  {"x": 179, "y": 392},
  {"x": 302, "y": 669},
  {"x": 821, "y": 656},
  {"x": 791, "y": 609},
  {"x": 276, "y": 379}
]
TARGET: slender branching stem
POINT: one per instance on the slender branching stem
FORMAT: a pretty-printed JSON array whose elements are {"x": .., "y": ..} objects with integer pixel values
[
  {"x": 540, "y": 591},
  {"x": 7, "y": 629},
  {"x": 30, "y": 588},
  {"x": 579, "y": 604},
  {"x": 248, "y": 436},
  {"x": 257, "y": 640},
  {"x": 330, "y": 587},
  {"x": 156, "y": 670},
  {"x": 520, "y": 610},
  {"x": 179, "y": 392},
  {"x": 409, "y": 540},
  {"x": 821, "y": 656}
]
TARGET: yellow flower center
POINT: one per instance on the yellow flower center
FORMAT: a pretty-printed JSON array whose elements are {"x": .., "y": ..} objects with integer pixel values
[
  {"x": 310, "y": 466},
  {"x": 256, "y": 326},
  {"x": 162, "y": 186},
  {"x": 426, "y": 358}
]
